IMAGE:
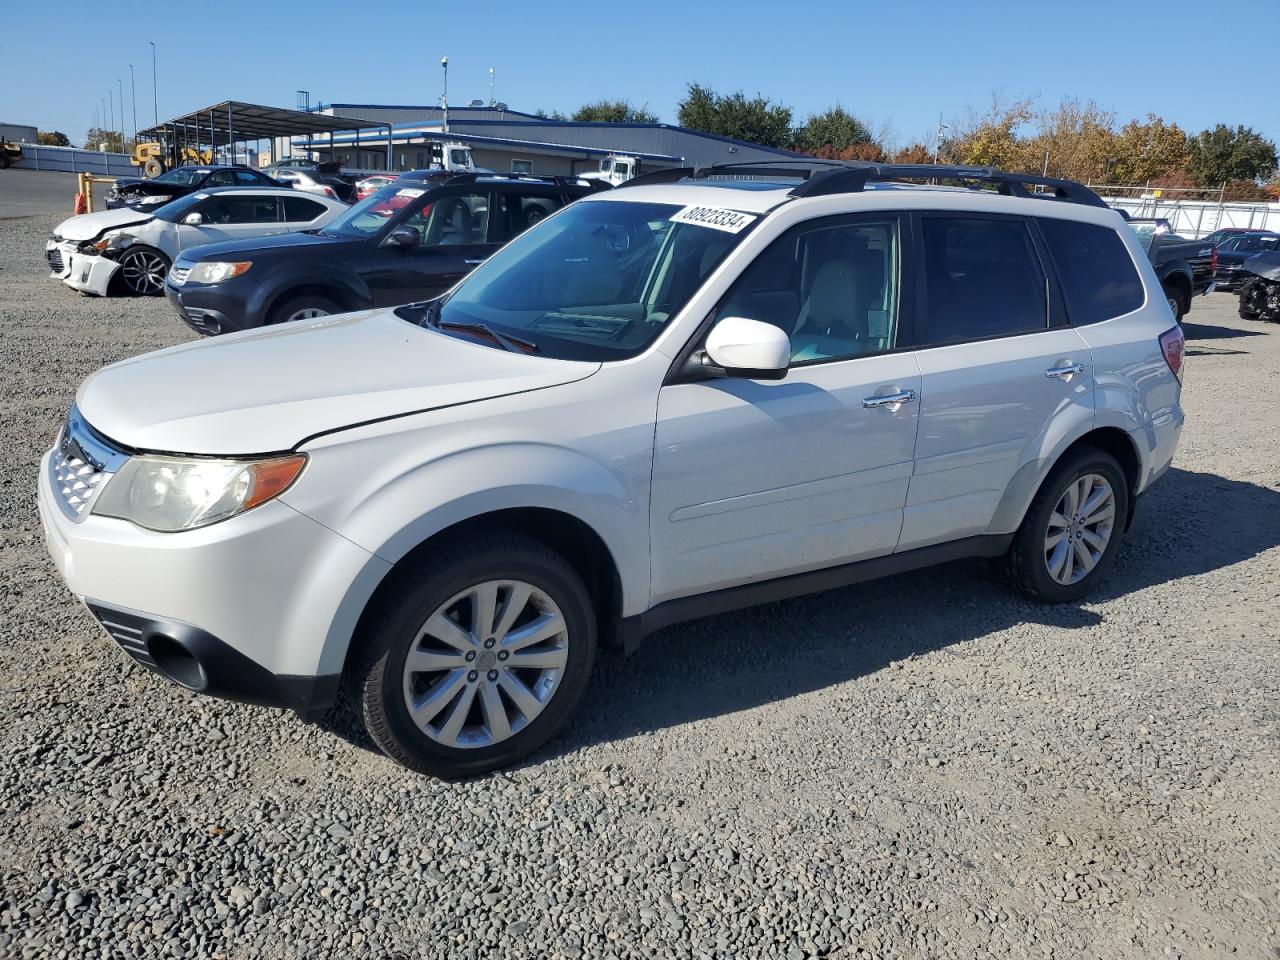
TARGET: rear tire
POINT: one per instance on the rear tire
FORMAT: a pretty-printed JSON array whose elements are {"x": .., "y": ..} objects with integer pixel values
[
  {"x": 1037, "y": 564},
  {"x": 436, "y": 675},
  {"x": 153, "y": 167},
  {"x": 305, "y": 307},
  {"x": 1177, "y": 302}
]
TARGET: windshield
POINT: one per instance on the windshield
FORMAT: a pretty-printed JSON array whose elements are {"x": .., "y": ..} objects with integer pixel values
[
  {"x": 175, "y": 210},
  {"x": 370, "y": 215},
  {"x": 598, "y": 281},
  {"x": 183, "y": 175}
]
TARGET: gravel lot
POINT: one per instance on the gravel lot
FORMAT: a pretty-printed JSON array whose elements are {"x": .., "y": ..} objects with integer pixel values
[{"x": 921, "y": 767}]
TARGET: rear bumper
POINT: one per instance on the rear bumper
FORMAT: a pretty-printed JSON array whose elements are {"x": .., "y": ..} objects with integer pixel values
[{"x": 1160, "y": 439}]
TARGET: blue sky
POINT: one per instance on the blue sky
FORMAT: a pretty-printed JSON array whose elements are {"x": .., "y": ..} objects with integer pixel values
[{"x": 892, "y": 63}]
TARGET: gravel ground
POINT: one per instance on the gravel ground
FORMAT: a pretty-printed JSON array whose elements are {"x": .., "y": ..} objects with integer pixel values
[{"x": 921, "y": 767}]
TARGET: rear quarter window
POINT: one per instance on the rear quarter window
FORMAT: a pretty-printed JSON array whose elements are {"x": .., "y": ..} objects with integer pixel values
[{"x": 1099, "y": 280}]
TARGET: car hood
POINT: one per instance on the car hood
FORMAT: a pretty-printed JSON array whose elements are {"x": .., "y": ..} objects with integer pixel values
[
  {"x": 285, "y": 242},
  {"x": 90, "y": 225},
  {"x": 268, "y": 390},
  {"x": 1266, "y": 265}
]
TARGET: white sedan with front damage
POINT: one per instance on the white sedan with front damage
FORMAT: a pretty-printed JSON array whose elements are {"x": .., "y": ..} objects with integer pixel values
[{"x": 131, "y": 251}]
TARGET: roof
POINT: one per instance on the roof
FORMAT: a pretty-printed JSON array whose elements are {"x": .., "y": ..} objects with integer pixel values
[
  {"x": 242, "y": 121},
  {"x": 433, "y": 127}
]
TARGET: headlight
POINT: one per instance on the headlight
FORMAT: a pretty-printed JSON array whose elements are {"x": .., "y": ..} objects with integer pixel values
[
  {"x": 112, "y": 243},
  {"x": 158, "y": 198},
  {"x": 216, "y": 271},
  {"x": 171, "y": 493}
]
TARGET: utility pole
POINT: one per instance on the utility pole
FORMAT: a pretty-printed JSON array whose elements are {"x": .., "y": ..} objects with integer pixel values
[
  {"x": 937, "y": 145},
  {"x": 444, "y": 97},
  {"x": 103, "y": 115},
  {"x": 133, "y": 99},
  {"x": 492, "y": 99},
  {"x": 155, "y": 95}
]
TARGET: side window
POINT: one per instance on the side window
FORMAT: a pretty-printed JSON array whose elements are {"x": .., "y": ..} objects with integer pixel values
[
  {"x": 300, "y": 209},
  {"x": 832, "y": 289},
  {"x": 455, "y": 220},
  {"x": 247, "y": 178},
  {"x": 225, "y": 210},
  {"x": 1099, "y": 280},
  {"x": 522, "y": 166},
  {"x": 982, "y": 279},
  {"x": 521, "y": 210},
  {"x": 221, "y": 178}
]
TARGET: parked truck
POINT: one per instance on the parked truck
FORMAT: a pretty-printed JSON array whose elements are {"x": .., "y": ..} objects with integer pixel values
[
  {"x": 615, "y": 169},
  {"x": 1185, "y": 267}
]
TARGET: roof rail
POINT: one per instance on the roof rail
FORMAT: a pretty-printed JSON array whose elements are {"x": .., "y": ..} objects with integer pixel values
[{"x": 852, "y": 176}]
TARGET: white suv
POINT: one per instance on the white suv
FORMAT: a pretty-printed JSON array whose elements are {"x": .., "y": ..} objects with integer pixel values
[{"x": 702, "y": 390}]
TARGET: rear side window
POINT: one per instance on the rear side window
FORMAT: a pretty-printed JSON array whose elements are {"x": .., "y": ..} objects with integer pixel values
[
  {"x": 300, "y": 209},
  {"x": 522, "y": 209},
  {"x": 1099, "y": 280},
  {"x": 982, "y": 279},
  {"x": 243, "y": 208}
]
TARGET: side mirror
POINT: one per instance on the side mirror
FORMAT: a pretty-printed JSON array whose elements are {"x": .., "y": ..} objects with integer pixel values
[
  {"x": 193, "y": 219},
  {"x": 749, "y": 348},
  {"x": 403, "y": 237}
]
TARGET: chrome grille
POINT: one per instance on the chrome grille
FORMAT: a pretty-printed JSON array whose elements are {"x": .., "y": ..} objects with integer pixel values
[
  {"x": 179, "y": 274},
  {"x": 54, "y": 255},
  {"x": 80, "y": 464}
]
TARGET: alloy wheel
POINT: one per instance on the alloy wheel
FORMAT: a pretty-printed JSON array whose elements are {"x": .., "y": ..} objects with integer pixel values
[
  {"x": 306, "y": 313},
  {"x": 1080, "y": 528},
  {"x": 485, "y": 664},
  {"x": 143, "y": 272}
]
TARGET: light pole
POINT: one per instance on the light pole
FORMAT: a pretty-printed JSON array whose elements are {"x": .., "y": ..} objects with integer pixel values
[
  {"x": 444, "y": 96},
  {"x": 133, "y": 100},
  {"x": 492, "y": 99},
  {"x": 120, "y": 87},
  {"x": 111, "y": 112},
  {"x": 155, "y": 95},
  {"x": 937, "y": 145}
]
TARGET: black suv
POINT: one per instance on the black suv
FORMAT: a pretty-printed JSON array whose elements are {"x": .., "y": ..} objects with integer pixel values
[
  {"x": 408, "y": 241},
  {"x": 139, "y": 194}
]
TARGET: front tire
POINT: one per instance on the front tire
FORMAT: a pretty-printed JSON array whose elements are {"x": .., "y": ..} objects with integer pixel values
[
  {"x": 1072, "y": 528},
  {"x": 476, "y": 656},
  {"x": 305, "y": 307},
  {"x": 142, "y": 271}
]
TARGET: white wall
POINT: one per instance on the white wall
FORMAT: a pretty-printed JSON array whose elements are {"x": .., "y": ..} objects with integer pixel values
[{"x": 1197, "y": 218}]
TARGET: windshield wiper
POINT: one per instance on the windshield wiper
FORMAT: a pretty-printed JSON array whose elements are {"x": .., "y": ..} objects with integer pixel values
[{"x": 511, "y": 344}]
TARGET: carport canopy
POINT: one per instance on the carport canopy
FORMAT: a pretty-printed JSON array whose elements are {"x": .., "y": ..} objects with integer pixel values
[{"x": 234, "y": 121}]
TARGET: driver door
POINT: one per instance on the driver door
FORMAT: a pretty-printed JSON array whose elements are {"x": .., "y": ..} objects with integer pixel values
[
  {"x": 757, "y": 479},
  {"x": 453, "y": 231}
]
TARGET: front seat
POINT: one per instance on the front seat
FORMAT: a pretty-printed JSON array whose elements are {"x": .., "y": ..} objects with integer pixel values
[{"x": 833, "y": 306}]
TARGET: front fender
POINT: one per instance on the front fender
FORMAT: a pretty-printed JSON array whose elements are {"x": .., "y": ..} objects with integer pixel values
[{"x": 278, "y": 286}]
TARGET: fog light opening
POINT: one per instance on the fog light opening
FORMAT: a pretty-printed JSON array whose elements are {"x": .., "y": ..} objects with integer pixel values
[{"x": 176, "y": 663}]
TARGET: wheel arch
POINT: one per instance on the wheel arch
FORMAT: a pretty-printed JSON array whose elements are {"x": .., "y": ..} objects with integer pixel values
[
  {"x": 569, "y": 536},
  {"x": 338, "y": 291},
  {"x": 1031, "y": 477}
]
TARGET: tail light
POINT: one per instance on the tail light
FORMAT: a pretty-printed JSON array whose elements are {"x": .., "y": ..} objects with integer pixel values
[
  {"x": 1172, "y": 345},
  {"x": 328, "y": 192}
]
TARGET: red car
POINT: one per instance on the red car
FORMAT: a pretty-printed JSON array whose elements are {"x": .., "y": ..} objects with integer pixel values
[{"x": 371, "y": 185}]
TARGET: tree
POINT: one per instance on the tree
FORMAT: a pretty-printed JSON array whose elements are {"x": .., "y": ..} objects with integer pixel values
[
  {"x": 53, "y": 138},
  {"x": 1223, "y": 154},
  {"x": 992, "y": 139},
  {"x": 831, "y": 132},
  {"x": 1146, "y": 151},
  {"x": 553, "y": 115},
  {"x": 613, "y": 111},
  {"x": 916, "y": 153},
  {"x": 757, "y": 120},
  {"x": 96, "y": 136},
  {"x": 1076, "y": 138}
]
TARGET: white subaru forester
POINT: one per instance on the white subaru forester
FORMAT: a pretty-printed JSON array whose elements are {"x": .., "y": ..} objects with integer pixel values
[{"x": 702, "y": 390}]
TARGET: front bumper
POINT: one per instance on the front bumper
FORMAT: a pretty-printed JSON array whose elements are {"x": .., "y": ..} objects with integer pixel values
[
  {"x": 90, "y": 274},
  {"x": 249, "y": 609},
  {"x": 205, "y": 310}
]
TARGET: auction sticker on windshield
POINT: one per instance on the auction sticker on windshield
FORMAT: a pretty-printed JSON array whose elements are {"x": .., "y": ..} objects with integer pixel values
[
  {"x": 410, "y": 192},
  {"x": 717, "y": 218}
]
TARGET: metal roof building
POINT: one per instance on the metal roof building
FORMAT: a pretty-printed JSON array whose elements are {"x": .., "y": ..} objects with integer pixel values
[{"x": 508, "y": 140}]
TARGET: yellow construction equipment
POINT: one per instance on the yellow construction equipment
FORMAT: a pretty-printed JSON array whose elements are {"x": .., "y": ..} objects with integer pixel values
[{"x": 155, "y": 158}]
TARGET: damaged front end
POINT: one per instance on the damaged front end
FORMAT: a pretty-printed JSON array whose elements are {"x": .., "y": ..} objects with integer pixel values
[{"x": 1260, "y": 288}]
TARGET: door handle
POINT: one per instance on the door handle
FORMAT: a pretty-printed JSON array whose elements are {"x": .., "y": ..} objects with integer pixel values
[
  {"x": 889, "y": 399},
  {"x": 1064, "y": 372}
]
